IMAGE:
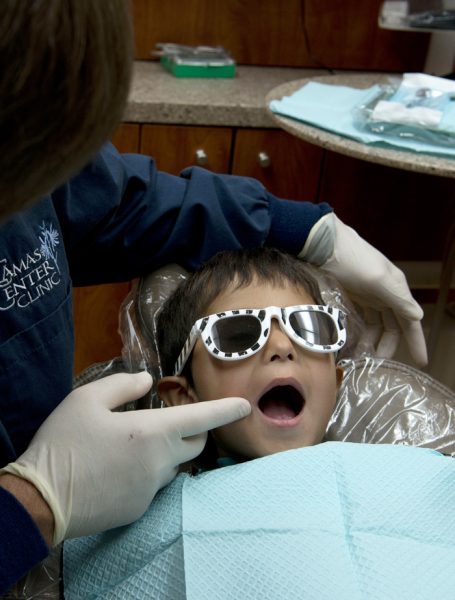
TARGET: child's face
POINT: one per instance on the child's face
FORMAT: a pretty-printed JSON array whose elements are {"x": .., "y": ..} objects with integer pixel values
[{"x": 292, "y": 391}]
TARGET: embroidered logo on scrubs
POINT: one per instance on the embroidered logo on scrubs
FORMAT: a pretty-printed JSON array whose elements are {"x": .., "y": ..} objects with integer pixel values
[
  {"x": 49, "y": 242},
  {"x": 34, "y": 275}
]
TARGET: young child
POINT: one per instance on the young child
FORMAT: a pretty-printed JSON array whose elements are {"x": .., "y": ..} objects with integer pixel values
[{"x": 252, "y": 323}]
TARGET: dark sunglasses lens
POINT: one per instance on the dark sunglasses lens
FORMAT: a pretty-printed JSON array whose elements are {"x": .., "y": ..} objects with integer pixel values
[
  {"x": 236, "y": 334},
  {"x": 315, "y": 327}
]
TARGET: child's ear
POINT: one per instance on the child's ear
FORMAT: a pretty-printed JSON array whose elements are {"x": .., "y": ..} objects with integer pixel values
[
  {"x": 175, "y": 391},
  {"x": 339, "y": 376}
]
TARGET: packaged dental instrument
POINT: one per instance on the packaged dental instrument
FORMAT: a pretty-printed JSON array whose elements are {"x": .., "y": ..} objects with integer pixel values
[
  {"x": 418, "y": 107},
  {"x": 196, "y": 61}
]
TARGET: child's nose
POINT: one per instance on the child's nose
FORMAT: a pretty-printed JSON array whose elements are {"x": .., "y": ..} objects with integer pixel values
[{"x": 279, "y": 346}]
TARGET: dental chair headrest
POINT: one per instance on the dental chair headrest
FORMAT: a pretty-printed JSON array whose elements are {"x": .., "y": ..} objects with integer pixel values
[
  {"x": 386, "y": 402},
  {"x": 380, "y": 401}
]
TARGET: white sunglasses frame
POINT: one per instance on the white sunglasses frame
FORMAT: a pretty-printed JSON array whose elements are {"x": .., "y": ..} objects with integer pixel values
[{"x": 280, "y": 313}]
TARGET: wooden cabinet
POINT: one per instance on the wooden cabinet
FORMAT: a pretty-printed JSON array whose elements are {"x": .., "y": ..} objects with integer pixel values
[
  {"x": 404, "y": 214},
  {"x": 287, "y": 166},
  {"x": 177, "y": 147},
  {"x": 96, "y": 308},
  {"x": 332, "y": 34}
]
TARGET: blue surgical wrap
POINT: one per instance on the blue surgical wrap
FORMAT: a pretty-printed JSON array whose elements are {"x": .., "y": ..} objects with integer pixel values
[
  {"x": 337, "y": 520},
  {"x": 331, "y": 107}
]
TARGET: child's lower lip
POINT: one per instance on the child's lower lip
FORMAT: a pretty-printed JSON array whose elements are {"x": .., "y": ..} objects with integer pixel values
[{"x": 283, "y": 422}]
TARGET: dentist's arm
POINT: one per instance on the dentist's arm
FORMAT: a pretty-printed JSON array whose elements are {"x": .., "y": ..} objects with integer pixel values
[{"x": 33, "y": 502}]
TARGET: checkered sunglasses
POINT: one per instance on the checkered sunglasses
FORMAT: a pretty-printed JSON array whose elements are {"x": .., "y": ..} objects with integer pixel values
[{"x": 238, "y": 334}]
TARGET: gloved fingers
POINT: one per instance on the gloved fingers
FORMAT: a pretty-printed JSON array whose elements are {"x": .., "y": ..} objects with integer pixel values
[
  {"x": 193, "y": 419},
  {"x": 167, "y": 476},
  {"x": 114, "y": 390},
  {"x": 395, "y": 293},
  {"x": 190, "y": 447},
  {"x": 415, "y": 339},
  {"x": 380, "y": 297},
  {"x": 373, "y": 327},
  {"x": 367, "y": 274},
  {"x": 383, "y": 331},
  {"x": 390, "y": 337},
  {"x": 404, "y": 318}
]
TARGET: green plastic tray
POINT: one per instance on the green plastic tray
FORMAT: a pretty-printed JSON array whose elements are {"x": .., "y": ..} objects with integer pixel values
[{"x": 200, "y": 70}]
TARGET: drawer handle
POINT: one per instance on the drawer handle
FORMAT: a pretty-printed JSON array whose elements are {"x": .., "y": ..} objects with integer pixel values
[
  {"x": 201, "y": 157},
  {"x": 264, "y": 160}
]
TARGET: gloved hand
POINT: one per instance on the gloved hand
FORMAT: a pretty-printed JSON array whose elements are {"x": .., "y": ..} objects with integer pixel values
[
  {"x": 99, "y": 469},
  {"x": 371, "y": 281}
]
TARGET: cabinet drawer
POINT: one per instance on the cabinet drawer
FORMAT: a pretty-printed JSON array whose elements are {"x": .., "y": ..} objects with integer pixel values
[
  {"x": 175, "y": 147},
  {"x": 287, "y": 166}
]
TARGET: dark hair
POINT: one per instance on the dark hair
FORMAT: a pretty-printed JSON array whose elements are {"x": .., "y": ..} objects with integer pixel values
[
  {"x": 65, "y": 69},
  {"x": 191, "y": 299}
]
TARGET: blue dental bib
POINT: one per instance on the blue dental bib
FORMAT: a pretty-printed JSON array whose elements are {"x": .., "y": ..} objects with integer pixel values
[{"x": 337, "y": 520}]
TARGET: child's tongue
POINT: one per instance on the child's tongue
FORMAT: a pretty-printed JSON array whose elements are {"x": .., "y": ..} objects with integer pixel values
[{"x": 277, "y": 409}]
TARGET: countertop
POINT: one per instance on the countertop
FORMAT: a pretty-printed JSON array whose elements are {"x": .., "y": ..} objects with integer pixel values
[{"x": 156, "y": 96}]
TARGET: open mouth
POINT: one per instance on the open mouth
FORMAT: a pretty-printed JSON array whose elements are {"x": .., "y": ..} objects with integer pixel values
[{"x": 282, "y": 403}]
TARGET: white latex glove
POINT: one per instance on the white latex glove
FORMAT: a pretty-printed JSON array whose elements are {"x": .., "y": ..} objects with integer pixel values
[
  {"x": 371, "y": 281},
  {"x": 99, "y": 469}
]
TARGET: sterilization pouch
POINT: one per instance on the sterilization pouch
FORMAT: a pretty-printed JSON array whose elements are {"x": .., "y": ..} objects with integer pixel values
[{"x": 336, "y": 520}]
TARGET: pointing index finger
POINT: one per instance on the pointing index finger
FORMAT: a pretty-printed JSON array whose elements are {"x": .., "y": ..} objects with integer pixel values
[{"x": 194, "y": 419}]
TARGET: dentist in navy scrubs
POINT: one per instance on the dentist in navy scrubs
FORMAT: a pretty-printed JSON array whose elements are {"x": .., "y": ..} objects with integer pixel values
[{"x": 73, "y": 211}]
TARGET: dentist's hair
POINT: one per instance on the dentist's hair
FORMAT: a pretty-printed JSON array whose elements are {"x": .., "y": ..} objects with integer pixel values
[{"x": 65, "y": 68}]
